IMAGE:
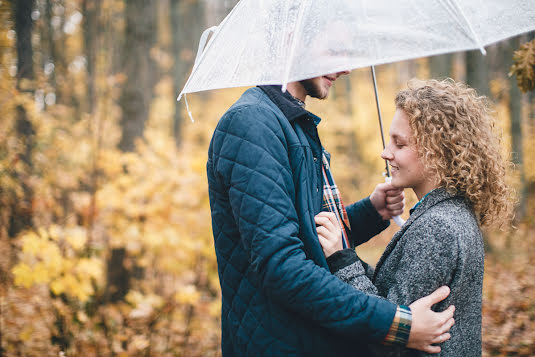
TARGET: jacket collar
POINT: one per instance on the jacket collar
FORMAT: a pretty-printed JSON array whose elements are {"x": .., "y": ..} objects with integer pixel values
[
  {"x": 434, "y": 197},
  {"x": 287, "y": 103}
]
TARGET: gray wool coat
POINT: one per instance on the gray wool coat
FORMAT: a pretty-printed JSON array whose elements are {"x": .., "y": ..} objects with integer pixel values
[{"x": 440, "y": 244}]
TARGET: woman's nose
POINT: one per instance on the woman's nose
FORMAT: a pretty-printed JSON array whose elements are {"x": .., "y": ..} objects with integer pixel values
[{"x": 386, "y": 154}]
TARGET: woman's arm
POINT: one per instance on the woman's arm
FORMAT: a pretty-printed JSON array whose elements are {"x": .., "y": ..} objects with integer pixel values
[
  {"x": 348, "y": 267},
  {"x": 343, "y": 263}
]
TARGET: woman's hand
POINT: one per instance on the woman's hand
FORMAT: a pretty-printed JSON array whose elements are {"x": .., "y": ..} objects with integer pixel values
[{"x": 329, "y": 233}]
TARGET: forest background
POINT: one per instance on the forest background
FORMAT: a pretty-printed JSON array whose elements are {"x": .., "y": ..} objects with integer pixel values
[{"x": 105, "y": 239}]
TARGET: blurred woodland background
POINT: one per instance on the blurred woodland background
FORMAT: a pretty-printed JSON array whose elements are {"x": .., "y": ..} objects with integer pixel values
[{"x": 105, "y": 238}]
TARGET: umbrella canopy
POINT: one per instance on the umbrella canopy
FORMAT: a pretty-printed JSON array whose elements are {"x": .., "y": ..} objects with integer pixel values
[{"x": 282, "y": 41}]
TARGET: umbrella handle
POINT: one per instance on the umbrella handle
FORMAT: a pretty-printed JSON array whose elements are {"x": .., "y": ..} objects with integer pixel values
[{"x": 397, "y": 219}]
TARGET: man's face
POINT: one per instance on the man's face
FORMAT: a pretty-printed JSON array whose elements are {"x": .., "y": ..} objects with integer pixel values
[{"x": 318, "y": 87}]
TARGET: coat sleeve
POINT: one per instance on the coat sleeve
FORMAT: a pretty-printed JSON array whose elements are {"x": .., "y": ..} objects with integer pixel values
[
  {"x": 429, "y": 259},
  {"x": 364, "y": 220},
  {"x": 250, "y": 157},
  {"x": 348, "y": 267}
]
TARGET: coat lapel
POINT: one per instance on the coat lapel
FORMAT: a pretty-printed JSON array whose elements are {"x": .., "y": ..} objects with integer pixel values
[{"x": 434, "y": 197}]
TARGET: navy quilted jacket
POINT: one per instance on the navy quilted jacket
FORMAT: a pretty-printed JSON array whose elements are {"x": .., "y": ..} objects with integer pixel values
[{"x": 265, "y": 186}]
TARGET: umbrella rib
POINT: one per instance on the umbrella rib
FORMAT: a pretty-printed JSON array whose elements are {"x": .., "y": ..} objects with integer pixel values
[
  {"x": 199, "y": 60},
  {"x": 298, "y": 29},
  {"x": 475, "y": 36}
]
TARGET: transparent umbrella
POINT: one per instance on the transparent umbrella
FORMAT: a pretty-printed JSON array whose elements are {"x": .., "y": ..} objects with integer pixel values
[{"x": 281, "y": 41}]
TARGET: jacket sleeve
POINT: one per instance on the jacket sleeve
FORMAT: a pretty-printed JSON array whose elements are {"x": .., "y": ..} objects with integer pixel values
[
  {"x": 364, "y": 220},
  {"x": 250, "y": 157}
]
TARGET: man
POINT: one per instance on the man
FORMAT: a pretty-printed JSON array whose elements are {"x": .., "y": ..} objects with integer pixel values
[{"x": 266, "y": 174}]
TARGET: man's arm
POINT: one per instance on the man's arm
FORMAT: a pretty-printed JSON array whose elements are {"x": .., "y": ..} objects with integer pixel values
[{"x": 371, "y": 215}]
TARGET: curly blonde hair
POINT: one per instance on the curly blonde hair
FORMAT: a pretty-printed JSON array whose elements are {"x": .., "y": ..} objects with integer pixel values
[{"x": 454, "y": 133}]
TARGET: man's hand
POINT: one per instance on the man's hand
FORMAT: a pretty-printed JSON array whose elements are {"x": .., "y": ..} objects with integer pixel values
[
  {"x": 429, "y": 327},
  {"x": 329, "y": 233},
  {"x": 388, "y": 200}
]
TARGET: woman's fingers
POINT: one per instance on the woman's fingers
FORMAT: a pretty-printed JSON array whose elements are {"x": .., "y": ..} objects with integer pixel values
[
  {"x": 322, "y": 220},
  {"x": 328, "y": 220},
  {"x": 332, "y": 218},
  {"x": 329, "y": 248},
  {"x": 329, "y": 232}
]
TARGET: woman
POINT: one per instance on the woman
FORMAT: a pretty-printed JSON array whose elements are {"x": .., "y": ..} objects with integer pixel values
[{"x": 443, "y": 147}]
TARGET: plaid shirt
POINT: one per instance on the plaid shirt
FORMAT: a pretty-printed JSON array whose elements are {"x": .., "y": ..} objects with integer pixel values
[{"x": 332, "y": 202}]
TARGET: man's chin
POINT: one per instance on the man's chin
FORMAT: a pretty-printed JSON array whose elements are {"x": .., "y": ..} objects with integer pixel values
[{"x": 321, "y": 96}]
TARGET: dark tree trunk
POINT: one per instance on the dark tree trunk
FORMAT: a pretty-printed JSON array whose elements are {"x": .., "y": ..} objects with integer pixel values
[
  {"x": 118, "y": 277},
  {"x": 91, "y": 11},
  {"x": 21, "y": 212},
  {"x": 140, "y": 36},
  {"x": 515, "y": 108},
  {"x": 23, "y": 27},
  {"x": 441, "y": 66},
  {"x": 477, "y": 73},
  {"x": 531, "y": 94},
  {"x": 187, "y": 24},
  {"x": 49, "y": 46}
]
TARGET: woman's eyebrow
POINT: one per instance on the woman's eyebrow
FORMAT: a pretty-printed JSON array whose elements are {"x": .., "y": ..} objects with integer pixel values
[{"x": 397, "y": 136}]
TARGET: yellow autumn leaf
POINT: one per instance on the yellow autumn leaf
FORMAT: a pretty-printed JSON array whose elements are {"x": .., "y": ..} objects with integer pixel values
[
  {"x": 26, "y": 334},
  {"x": 187, "y": 295},
  {"x": 41, "y": 273},
  {"x": 83, "y": 290},
  {"x": 23, "y": 275},
  {"x": 54, "y": 232},
  {"x": 57, "y": 286},
  {"x": 31, "y": 243},
  {"x": 90, "y": 267},
  {"x": 76, "y": 236}
]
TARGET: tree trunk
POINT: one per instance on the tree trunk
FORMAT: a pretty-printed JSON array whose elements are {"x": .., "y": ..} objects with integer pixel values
[
  {"x": 187, "y": 24},
  {"x": 531, "y": 94},
  {"x": 21, "y": 212},
  {"x": 441, "y": 66},
  {"x": 515, "y": 108},
  {"x": 140, "y": 36},
  {"x": 91, "y": 11},
  {"x": 49, "y": 47},
  {"x": 23, "y": 27},
  {"x": 118, "y": 277},
  {"x": 477, "y": 74}
]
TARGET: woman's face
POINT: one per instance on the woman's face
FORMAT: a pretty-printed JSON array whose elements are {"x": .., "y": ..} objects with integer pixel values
[{"x": 407, "y": 169}]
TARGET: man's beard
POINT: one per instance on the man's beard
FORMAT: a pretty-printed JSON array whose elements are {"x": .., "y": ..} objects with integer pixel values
[{"x": 313, "y": 88}]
